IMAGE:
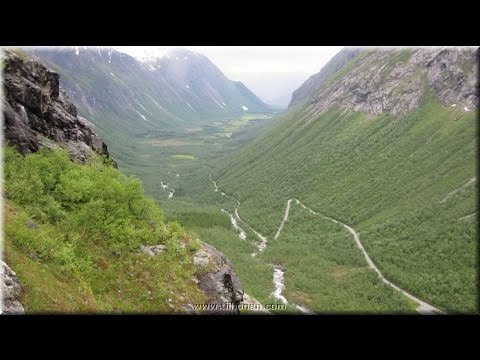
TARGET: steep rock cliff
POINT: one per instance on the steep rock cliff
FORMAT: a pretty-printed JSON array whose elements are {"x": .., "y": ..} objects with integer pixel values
[{"x": 38, "y": 112}]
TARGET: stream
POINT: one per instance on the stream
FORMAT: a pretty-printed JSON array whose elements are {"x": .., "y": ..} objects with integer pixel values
[
  {"x": 278, "y": 271},
  {"x": 235, "y": 225},
  {"x": 263, "y": 239},
  {"x": 165, "y": 187},
  {"x": 279, "y": 287}
]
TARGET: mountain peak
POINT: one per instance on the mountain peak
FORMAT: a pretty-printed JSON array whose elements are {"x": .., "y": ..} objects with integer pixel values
[{"x": 180, "y": 53}]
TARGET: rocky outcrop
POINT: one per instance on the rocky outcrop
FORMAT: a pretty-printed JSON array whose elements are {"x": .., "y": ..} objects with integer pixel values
[
  {"x": 395, "y": 81},
  {"x": 222, "y": 285},
  {"x": 216, "y": 278},
  {"x": 152, "y": 250},
  {"x": 37, "y": 111},
  {"x": 220, "y": 282},
  {"x": 10, "y": 291},
  {"x": 201, "y": 258}
]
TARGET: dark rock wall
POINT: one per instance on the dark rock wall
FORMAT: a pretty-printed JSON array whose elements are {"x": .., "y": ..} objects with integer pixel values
[{"x": 36, "y": 110}]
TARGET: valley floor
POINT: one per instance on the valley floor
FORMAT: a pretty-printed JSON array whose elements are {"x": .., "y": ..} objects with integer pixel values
[{"x": 189, "y": 193}]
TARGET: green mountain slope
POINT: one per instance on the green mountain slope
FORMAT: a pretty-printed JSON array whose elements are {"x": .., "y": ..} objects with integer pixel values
[{"x": 387, "y": 146}]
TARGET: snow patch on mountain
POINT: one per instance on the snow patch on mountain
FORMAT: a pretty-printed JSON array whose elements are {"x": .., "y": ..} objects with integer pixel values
[{"x": 141, "y": 115}]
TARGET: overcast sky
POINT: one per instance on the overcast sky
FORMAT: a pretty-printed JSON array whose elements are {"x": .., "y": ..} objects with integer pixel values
[{"x": 270, "y": 72}]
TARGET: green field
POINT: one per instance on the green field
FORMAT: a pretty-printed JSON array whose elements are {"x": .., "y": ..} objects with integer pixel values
[{"x": 183, "y": 157}]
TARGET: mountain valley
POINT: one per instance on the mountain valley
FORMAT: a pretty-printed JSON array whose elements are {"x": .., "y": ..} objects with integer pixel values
[{"x": 361, "y": 197}]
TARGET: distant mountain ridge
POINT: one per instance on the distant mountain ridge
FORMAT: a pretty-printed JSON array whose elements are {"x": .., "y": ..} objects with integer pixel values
[
  {"x": 396, "y": 81},
  {"x": 315, "y": 82},
  {"x": 180, "y": 87},
  {"x": 202, "y": 85}
]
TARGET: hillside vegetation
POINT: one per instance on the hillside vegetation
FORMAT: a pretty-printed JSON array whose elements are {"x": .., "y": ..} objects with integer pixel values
[{"x": 73, "y": 234}]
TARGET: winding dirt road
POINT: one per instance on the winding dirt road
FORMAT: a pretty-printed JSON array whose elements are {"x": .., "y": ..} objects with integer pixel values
[
  {"x": 451, "y": 193},
  {"x": 285, "y": 218},
  {"x": 423, "y": 308},
  {"x": 468, "y": 216},
  {"x": 263, "y": 239}
]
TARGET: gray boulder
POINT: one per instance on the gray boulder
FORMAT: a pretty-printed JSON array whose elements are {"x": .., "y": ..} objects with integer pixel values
[
  {"x": 153, "y": 250},
  {"x": 11, "y": 291}
]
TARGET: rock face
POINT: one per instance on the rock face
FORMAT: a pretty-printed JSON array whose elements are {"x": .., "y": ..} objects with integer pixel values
[
  {"x": 37, "y": 111},
  {"x": 11, "y": 291},
  {"x": 395, "y": 81},
  {"x": 221, "y": 284}
]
